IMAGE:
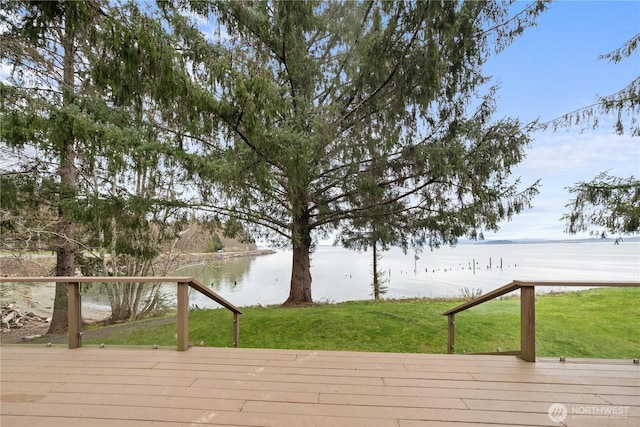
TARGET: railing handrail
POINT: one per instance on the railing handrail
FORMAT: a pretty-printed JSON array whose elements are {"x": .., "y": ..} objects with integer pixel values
[
  {"x": 182, "y": 300},
  {"x": 92, "y": 279},
  {"x": 192, "y": 281},
  {"x": 483, "y": 298},
  {"x": 195, "y": 284},
  {"x": 527, "y": 309},
  {"x": 517, "y": 284}
]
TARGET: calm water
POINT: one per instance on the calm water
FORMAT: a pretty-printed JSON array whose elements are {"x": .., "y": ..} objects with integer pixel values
[{"x": 342, "y": 275}]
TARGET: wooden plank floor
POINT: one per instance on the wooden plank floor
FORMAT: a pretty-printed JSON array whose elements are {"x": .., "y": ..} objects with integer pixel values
[{"x": 258, "y": 387}]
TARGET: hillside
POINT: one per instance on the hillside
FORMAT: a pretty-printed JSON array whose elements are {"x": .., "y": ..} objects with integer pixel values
[{"x": 198, "y": 239}]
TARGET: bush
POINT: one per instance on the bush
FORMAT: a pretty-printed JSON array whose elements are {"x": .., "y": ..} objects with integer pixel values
[{"x": 215, "y": 244}]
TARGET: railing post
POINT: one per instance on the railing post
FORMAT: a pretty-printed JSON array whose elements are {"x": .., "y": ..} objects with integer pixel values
[
  {"x": 452, "y": 331},
  {"x": 236, "y": 329},
  {"x": 183, "y": 316},
  {"x": 74, "y": 313},
  {"x": 528, "y": 323}
]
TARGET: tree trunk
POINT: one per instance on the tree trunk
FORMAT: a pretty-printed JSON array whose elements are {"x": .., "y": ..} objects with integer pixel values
[
  {"x": 66, "y": 250},
  {"x": 65, "y": 266},
  {"x": 300, "y": 292},
  {"x": 376, "y": 279}
]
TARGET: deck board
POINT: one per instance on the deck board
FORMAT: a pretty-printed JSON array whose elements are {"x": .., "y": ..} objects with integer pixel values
[{"x": 263, "y": 387}]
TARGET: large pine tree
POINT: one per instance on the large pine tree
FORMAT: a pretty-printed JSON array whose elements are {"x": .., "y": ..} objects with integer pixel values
[
  {"x": 43, "y": 42},
  {"x": 308, "y": 97}
]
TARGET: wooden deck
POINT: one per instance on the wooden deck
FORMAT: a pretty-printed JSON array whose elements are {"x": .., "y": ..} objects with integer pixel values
[{"x": 97, "y": 387}]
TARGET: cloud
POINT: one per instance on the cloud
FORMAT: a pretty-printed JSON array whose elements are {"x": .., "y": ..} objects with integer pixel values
[
  {"x": 561, "y": 160},
  {"x": 534, "y": 223},
  {"x": 582, "y": 156}
]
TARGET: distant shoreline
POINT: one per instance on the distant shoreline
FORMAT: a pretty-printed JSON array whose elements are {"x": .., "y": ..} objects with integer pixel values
[
  {"x": 533, "y": 241},
  {"x": 44, "y": 265},
  {"x": 630, "y": 239},
  {"x": 185, "y": 259}
]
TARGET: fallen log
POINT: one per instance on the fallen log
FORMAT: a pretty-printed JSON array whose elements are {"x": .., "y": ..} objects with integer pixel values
[{"x": 13, "y": 318}]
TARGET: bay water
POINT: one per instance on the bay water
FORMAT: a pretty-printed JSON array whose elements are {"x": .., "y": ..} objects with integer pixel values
[{"x": 343, "y": 275}]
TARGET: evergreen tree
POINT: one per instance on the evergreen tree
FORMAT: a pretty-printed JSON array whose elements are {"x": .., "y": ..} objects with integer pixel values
[
  {"x": 298, "y": 90},
  {"x": 43, "y": 42},
  {"x": 607, "y": 204},
  {"x": 78, "y": 107}
]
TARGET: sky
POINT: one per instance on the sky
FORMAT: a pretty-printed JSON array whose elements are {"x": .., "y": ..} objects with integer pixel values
[{"x": 553, "y": 69}]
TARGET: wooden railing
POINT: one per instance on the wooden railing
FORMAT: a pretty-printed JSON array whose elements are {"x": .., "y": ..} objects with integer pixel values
[
  {"x": 527, "y": 311},
  {"x": 184, "y": 283}
]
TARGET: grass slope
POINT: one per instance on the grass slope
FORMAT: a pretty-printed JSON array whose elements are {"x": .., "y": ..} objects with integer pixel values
[{"x": 598, "y": 323}]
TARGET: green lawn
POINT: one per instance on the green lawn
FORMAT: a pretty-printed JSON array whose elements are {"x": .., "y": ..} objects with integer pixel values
[{"x": 599, "y": 323}]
